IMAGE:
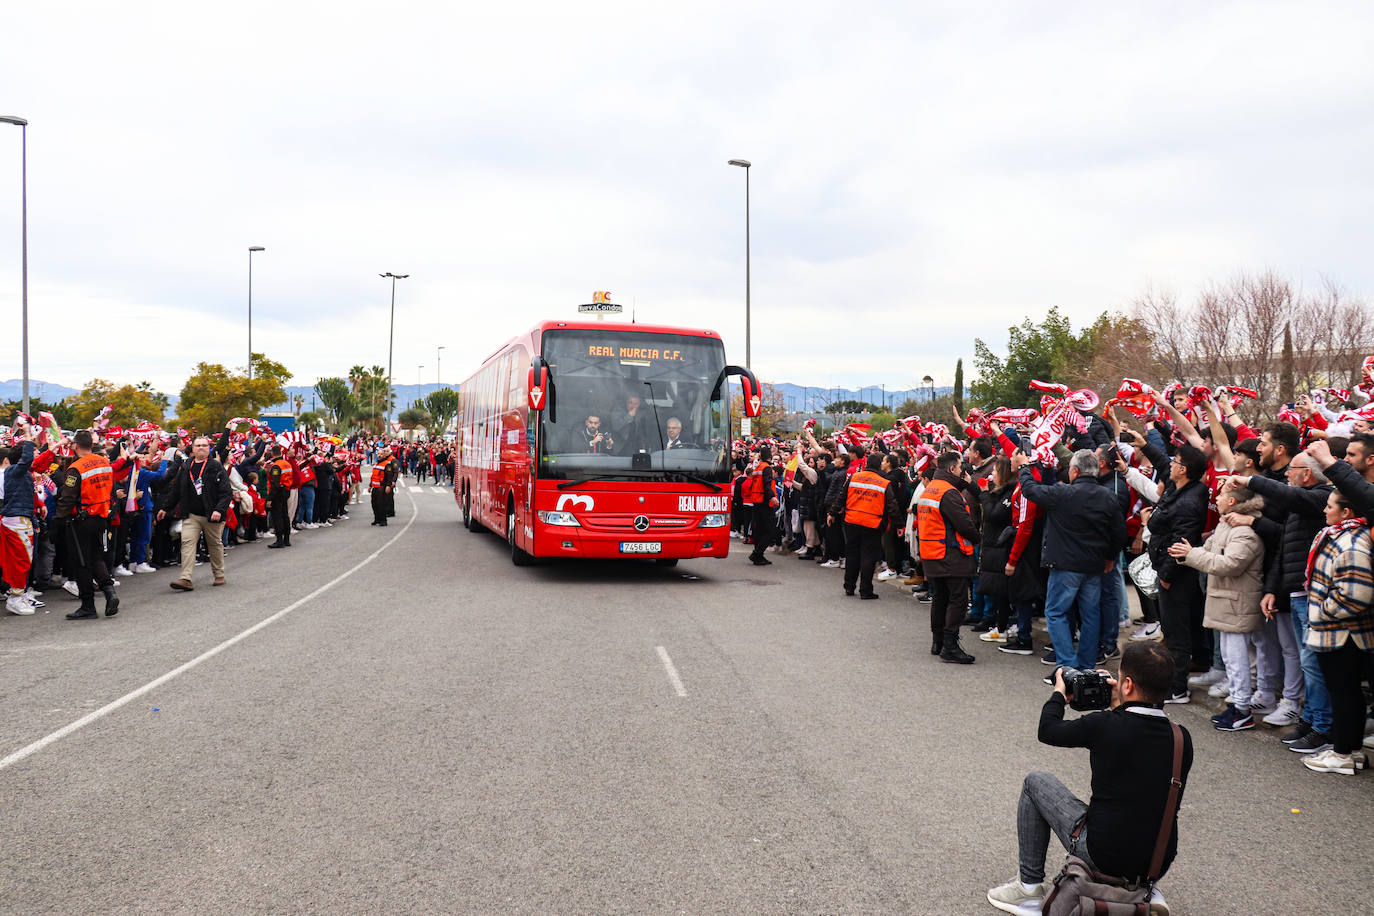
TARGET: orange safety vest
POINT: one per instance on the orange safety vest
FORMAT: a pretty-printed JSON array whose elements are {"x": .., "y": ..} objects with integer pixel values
[
  {"x": 97, "y": 479},
  {"x": 379, "y": 473},
  {"x": 930, "y": 524},
  {"x": 288, "y": 477},
  {"x": 866, "y": 499},
  {"x": 752, "y": 494}
]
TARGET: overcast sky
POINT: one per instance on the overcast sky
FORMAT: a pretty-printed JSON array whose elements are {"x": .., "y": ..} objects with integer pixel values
[{"x": 922, "y": 174}]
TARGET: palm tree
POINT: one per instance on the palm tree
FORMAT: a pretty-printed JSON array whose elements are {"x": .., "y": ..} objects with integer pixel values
[{"x": 355, "y": 378}]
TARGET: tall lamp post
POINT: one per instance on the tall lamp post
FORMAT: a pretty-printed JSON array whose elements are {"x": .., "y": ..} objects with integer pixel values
[
  {"x": 23, "y": 126},
  {"x": 251, "y": 249},
  {"x": 930, "y": 383},
  {"x": 439, "y": 368},
  {"x": 419, "y": 384},
  {"x": 391, "y": 338},
  {"x": 745, "y": 164}
]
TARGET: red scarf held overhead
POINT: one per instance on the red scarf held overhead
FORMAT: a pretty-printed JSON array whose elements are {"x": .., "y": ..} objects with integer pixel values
[{"x": 1330, "y": 531}]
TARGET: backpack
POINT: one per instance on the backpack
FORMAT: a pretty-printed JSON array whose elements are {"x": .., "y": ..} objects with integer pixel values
[{"x": 1081, "y": 891}]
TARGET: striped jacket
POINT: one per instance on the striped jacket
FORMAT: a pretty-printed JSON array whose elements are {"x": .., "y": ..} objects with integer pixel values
[{"x": 1340, "y": 597}]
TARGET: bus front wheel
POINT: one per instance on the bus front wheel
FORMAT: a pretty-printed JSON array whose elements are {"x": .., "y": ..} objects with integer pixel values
[{"x": 517, "y": 556}]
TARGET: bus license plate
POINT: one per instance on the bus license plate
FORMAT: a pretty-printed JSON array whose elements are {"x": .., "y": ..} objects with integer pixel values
[{"x": 641, "y": 547}]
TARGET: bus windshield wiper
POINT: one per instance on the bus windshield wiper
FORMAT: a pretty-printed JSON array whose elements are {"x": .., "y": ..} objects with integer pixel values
[
  {"x": 631, "y": 476},
  {"x": 697, "y": 478},
  {"x": 622, "y": 476}
]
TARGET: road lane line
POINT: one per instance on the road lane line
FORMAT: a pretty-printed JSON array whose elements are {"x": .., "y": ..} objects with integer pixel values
[
  {"x": 667, "y": 666},
  {"x": 439, "y": 489},
  {"x": 108, "y": 708}
]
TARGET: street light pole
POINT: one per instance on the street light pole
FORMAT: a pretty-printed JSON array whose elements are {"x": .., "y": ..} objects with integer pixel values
[
  {"x": 251, "y": 249},
  {"x": 24, "y": 236},
  {"x": 746, "y": 164},
  {"x": 419, "y": 384},
  {"x": 391, "y": 338},
  {"x": 438, "y": 368}
]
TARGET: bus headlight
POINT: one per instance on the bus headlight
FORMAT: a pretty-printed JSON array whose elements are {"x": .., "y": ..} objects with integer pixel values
[
  {"x": 563, "y": 519},
  {"x": 714, "y": 520}
]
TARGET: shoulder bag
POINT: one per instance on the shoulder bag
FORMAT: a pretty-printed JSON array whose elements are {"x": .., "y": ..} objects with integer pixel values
[{"x": 1081, "y": 891}]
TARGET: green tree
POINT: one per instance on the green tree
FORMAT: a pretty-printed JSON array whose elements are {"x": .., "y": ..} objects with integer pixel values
[
  {"x": 213, "y": 394},
  {"x": 337, "y": 397},
  {"x": 132, "y": 403},
  {"x": 442, "y": 406},
  {"x": 310, "y": 420},
  {"x": 853, "y": 406},
  {"x": 959, "y": 384},
  {"x": 412, "y": 417},
  {"x": 1032, "y": 351},
  {"x": 61, "y": 410}
]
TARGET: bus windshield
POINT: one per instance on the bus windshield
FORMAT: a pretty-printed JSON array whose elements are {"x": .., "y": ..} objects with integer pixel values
[{"x": 633, "y": 405}]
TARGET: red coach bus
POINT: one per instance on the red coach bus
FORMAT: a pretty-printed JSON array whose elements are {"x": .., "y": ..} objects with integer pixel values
[{"x": 594, "y": 439}]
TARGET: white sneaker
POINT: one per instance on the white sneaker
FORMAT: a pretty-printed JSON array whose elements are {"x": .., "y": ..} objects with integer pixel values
[
  {"x": 122, "y": 571},
  {"x": 885, "y": 575},
  {"x": 1012, "y": 898},
  {"x": 993, "y": 635},
  {"x": 831, "y": 564},
  {"x": 1158, "y": 905},
  {"x": 800, "y": 552},
  {"x": 1330, "y": 762},
  {"x": 1207, "y": 678},
  {"x": 1012, "y": 631},
  {"x": 18, "y": 604},
  {"x": 144, "y": 568},
  {"x": 1147, "y": 631},
  {"x": 71, "y": 588},
  {"x": 326, "y": 524},
  {"x": 1220, "y": 690},
  {"x": 1262, "y": 704},
  {"x": 1284, "y": 716}
]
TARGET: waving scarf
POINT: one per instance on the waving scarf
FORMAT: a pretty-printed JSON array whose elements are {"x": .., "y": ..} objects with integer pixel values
[{"x": 1057, "y": 415}]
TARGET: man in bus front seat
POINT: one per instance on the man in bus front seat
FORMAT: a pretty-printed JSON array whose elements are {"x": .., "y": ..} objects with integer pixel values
[{"x": 593, "y": 439}]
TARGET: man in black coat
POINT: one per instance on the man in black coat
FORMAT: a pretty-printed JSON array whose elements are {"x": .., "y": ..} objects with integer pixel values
[
  {"x": 1180, "y": 515},
  {"x": 1084, "y": 531},
  {"x": 202, "y": 493},
  {"x": 1303, "y": 499}
]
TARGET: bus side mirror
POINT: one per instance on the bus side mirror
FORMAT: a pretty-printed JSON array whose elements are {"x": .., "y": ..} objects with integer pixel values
[
  {"x": 749, "y": 384},
  {"x": 753, "y": 401},
  {"x": 538, "y": 384}
]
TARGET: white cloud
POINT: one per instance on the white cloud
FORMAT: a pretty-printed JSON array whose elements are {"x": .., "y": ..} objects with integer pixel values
[{"x": 923, "y": 174}]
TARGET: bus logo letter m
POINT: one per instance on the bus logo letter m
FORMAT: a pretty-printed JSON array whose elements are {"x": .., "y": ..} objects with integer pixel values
[{"x": 571, "y": 499}]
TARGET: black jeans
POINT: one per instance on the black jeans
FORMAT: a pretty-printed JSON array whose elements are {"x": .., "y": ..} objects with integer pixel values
[
  {"x": 86, "y": 540},
  {"x": 1342, "y": 669},
  {"x": 763, "y": 529},
  {"x": 1177, "y": 605},
  {"x": 862, "y": 547},
  {"x": 948, "y": 604}
]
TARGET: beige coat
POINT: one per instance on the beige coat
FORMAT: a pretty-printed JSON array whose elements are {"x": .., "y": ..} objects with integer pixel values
[{"x": 1233, "y": 559}]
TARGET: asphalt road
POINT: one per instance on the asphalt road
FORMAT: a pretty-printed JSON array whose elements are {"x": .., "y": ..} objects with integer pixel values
[{"x": 430, "y": 729}]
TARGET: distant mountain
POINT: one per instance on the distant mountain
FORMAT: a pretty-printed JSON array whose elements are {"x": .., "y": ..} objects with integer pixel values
[
  {"x": 808, "y": 399},
  {"x": 38, "y": 390},
  {"x": 405, "y": 396}
]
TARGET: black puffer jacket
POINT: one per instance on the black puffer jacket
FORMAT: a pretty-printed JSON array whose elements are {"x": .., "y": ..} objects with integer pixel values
[
  {"x": 996, "y": 542},
  {"x": 1180, "y": 515},
  {"x": 1306, "y": 507}
]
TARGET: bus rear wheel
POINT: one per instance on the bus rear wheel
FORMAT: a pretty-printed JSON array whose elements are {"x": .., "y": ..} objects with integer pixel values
[
  {"x": 469, "y": 522},
  {"x": 517, "y": 556}
]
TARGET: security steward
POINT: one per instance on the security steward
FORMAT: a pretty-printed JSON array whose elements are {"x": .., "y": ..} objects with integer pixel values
[
  {"x": 868, "y": 502},
  {"x": 280, "y": 478},
  {"x": 946, "y": 535},
  {"x": 758, "y": 494},
  {"x": 83, "y": 509},
  {"x": 382, "y": 485}
]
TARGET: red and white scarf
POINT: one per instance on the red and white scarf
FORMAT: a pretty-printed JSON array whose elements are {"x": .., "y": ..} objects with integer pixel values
[{"x": 1327, "y": 533}]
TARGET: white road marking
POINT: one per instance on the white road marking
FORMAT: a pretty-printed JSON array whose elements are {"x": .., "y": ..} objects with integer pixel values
[
  {"x": 440, "y": 489},
  {"x": 667, "y": 666},
  {"x": 108, "y": 708}
]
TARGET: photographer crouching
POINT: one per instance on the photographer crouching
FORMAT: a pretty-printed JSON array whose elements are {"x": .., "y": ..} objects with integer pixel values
[{"x": 1120, "y": 831}]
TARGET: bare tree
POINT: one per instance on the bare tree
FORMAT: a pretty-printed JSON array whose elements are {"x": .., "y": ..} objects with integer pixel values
[{"x": 1167, "y": 325}]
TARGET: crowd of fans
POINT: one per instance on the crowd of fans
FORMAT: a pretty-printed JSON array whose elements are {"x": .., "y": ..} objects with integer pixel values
[
  {"x": 83, "y": 510},
  {"x": 1247, "y": 545}
]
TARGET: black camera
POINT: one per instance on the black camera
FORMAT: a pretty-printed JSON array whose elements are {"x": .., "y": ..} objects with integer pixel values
[{"x": 1088, "y": 690}]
